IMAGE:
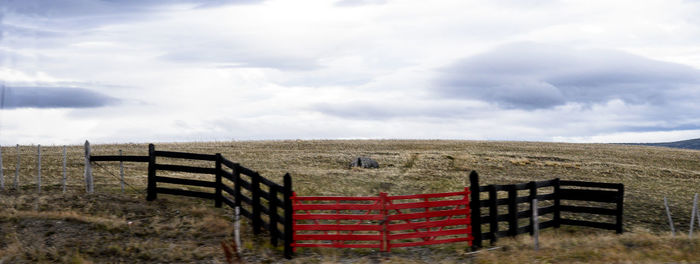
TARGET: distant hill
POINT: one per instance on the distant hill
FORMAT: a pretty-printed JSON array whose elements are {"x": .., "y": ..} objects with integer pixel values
[{"x": 685, "y": 144}]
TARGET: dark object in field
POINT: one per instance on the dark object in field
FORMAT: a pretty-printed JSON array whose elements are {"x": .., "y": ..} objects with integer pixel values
[{"x": 364, "y": 162}]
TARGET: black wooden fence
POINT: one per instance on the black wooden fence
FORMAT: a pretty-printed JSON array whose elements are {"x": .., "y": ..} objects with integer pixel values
[
  {"x": 232, "y": 193},
  {"x": 574, "y": 191}
]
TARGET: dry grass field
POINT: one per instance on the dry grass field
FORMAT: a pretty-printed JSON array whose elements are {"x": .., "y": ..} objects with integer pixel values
[{"x": 113, "y": 227}]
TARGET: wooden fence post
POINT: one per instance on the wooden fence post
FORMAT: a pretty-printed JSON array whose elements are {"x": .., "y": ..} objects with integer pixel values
[
  {"x": 288, "y": 217},
  {"x": 217, "y": 193},
  {"x": 620, "y": 202},
  {"x": 63, "y": 182},
  {"x": 493, "y": 213},
  {"x": 274, "y": 217},
  {"x": 88, "y": 169},
  {"x": 557, "y": 203},
  {"x": 2, "y": 177},
  {"x": 38, "y": 169},
  {"x": 533, "y": 204},
  {"x": 121, "y": 171},
  {"x": 670, "y": 219},
  {"x": 237, "y": 185},
  {"x": 512, "y": 211},
  {"x": 535, "y": 224},
  {"x": 151, "y": 190},
  {"x": 475, "y": 210},
  {"x": 255, "y": 185}
]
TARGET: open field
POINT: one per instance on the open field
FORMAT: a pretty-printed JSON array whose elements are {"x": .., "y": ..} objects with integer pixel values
[{"x": 321, "y": 168}]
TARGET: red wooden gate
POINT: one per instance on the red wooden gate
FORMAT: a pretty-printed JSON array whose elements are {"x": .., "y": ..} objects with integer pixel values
[
  {"x": 428, "y": 219},
  {"x": 381, "y": 222},
  {"x": 346, "y": 222}
]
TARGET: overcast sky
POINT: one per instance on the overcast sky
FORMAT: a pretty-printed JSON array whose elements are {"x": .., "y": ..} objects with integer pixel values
[{"x": 185, "y": 70}]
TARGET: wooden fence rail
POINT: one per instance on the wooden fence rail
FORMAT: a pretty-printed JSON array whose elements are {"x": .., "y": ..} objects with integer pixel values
[{"x": 575, "y": 191}]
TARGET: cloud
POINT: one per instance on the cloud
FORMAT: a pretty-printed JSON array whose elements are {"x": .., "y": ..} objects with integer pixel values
[
  {"x": 52, "y": 97},
  {"x": 354, "y": 3},
  {"x": 397, "y": 108},
  {"x": 538, "y": 76},
  {"x": 89, "y": 8}
]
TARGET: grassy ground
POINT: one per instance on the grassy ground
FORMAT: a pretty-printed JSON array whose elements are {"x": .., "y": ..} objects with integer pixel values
[{"x": 52, "y": 226}]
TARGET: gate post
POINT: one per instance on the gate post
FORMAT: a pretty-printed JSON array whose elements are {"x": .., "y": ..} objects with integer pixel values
[
  {"x": 288, "y": 217},
  {"x": 475, "y": 210}
]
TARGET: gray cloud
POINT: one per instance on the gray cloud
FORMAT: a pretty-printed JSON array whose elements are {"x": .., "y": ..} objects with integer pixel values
[
  {"x": 392, "y": 109},
  {"x": 92, "y": 8},
  {"x": 52, "y": 97},
  {"x": 536, "y": 76},
  {"x": 67, "y": 17}
]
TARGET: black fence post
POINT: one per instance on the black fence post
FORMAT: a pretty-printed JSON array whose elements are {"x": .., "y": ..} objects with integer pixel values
[
  {"x": 217, "y": 196},
  {"x": 475, "y": 210},
  {"x": 151, "y": 190},
  {"x": 237, "y": 185},
  {"x": 493, "y": 213},
  {"x": 512, "y": 211},
  {"x": 288, "y": 221},
  {"x": 274, "y": 217},
  {"x": 618, "y": 216},
  {"x": 533, "y": 196},
  {"x": 557, "y": 203},
  {"x": 255, "y": 185}
]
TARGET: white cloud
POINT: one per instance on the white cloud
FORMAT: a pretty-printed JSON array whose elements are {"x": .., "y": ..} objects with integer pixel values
[{"x": 321, "y": 69}]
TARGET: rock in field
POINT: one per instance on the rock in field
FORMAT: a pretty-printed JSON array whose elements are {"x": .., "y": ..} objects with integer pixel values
[{"x": 364, "y": 162}]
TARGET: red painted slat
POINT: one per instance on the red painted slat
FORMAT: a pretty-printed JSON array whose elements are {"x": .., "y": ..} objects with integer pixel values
[
  {"x": 336, "y": 245},
  {"x": 429, "y": 195},
  {"x": 298, "y": 207},
  {"x": 426, "y": 204},
  {"x": 407, "y": 226},
  {"x": 334, "y": 198},
  {"x": 430, "y": 242},
  {"x": 461, "y": 231},
  {"x": 428, "y": 214},
  {"x": 338, "y": 237},
  {"x": 339, "y": 227},
  {"x": 337, "y": 217}
]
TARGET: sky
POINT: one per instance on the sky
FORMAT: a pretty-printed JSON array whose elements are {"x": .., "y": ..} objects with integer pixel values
[{"x": 114, "y": 71}]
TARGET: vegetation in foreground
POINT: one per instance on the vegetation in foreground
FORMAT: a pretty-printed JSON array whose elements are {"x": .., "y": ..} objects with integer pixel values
[{"x": 114, "y": 227}]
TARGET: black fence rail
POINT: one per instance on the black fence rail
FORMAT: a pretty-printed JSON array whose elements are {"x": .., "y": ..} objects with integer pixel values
[
  {"x": 255, "y": 195},
  {"x": 575, "y": 191},
  {"x": 613, "y": 193}
]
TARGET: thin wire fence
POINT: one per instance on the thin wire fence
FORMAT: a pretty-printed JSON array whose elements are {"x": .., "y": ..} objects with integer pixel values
[{"x": 46, "y": 169}]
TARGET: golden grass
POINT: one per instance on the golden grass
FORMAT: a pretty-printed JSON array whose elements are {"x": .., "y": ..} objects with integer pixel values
[{"x": 321, "y": 168}]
